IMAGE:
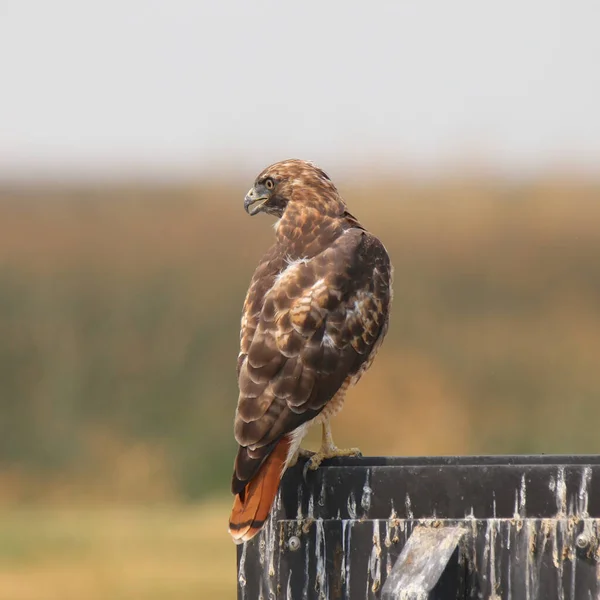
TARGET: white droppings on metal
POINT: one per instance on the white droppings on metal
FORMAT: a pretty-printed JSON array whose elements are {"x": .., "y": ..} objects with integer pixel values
[
  {"x": 270, "y": 544},
  {"x": 549, "y": 528},
  {"x": 522, "y": 497},
  {"x": 351, "y": 503},
  {"x": 242, "y": 570},
  {"x": 262, "y": 545},
  {"x": 573, "y": 578},
  {"x": 532, "y": 580},
  {"x": 391, "y": 529},
  {"x": 367, "y": 492},
  {"x": 299, "y": 515},
  {"x": 520, "y": 503},
  {"x": 346, "y": 538},
  {"x": 538, "y": 543},
  {"x": 489, "y": 553},
  {"x": 413, "y": 593},
  {"x": 311, "y": 507},
  {"x": 527, "y": 578},
  {"x": 322, "y": 493},
  {"x": 557, "y": 553},
  {"x": 470, "y": 555},
  {"x": 375, "y": 559},
  {"x": 537, "y": 547},
  {"x": 387, "y": 541},
  {"x": 583, "y": 495},
  {"x": 320, "y": 554},
  {"x": 561, "y": 493},
  {"x": 408, "y": 506},
  {"x": 306, "y": 574},
  {"x": 344, "y": 552}
]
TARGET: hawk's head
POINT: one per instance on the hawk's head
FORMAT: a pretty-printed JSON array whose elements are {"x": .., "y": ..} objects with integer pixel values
[{"x": 296, "y": 182}]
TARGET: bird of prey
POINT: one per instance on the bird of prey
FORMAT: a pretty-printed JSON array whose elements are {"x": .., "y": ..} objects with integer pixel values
[{"x": 314, "y": 318}]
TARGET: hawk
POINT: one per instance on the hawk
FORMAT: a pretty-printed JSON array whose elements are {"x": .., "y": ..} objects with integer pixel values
[{"x": 313, "y": 320}]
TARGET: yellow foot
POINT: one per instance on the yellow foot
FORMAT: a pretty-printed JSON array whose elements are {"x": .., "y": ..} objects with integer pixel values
[
  {"x": 332, "y": 452},
  {"x": 328, "y": 450},
  {"x": 300, "y": 453}
]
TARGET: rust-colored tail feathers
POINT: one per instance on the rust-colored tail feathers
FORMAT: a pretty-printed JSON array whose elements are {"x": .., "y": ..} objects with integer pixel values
[{"x": 252, "y": 505}]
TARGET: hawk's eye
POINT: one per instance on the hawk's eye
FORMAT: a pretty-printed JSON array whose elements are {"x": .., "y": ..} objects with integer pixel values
[{"x": 269, "y": 183}]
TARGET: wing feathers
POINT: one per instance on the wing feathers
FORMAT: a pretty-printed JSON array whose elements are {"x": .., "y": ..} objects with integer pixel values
[{"x": 319, "y": 321}]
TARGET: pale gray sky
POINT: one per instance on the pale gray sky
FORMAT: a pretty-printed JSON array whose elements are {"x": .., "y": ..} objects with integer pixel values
[{"x": 184, "y": 86}]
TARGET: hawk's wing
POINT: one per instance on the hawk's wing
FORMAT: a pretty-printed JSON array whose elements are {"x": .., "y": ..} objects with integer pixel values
[{"x": 311, "y": 330}]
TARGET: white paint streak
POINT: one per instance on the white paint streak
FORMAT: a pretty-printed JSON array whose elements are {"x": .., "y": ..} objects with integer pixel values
[
  {"x": 346, "y": 556},
  {"x": 351, "y": 504},
  {"x": 299, "y": 515},
  {"x": 365, "y": 500},
  {"x": 242, "y": 569},
  {"x": 520, "y": 500},
  {"x": 320, "y": 552},
  {"x": 306, "y": 574},
  {"x": 561, "y": 493},
  {"x": 288, "y": 593},
  {"x": 270, "y": 547},
  {"x": 582, "y": 495},
  {"x": 375, "y": 560},
  {"x": 407, "y": 504},
  {"x": 311, "y": 507},
  {"x": 321, "y": 501},
  {"x": 262, "y": 544}
]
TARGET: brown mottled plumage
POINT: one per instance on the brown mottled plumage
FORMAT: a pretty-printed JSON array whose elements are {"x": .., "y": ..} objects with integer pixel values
[{"x": 314, "y": 317}]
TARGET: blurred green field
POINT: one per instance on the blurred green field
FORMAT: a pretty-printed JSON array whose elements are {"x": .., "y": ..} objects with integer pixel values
[
  {"x": 119, "y": 325},
  {"x": 119, "y": 553}
]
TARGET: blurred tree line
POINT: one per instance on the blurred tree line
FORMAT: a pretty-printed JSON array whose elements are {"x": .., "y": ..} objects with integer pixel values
[{"x": 119, "y": 324}]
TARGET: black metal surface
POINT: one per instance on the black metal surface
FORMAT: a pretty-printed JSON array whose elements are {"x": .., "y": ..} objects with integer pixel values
[{"x": 532, "y": 527}]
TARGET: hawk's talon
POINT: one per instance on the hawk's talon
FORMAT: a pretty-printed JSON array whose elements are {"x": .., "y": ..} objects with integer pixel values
[
  {"x": 315, "y": 461},
  {"x": 300, "y": 453},
  {"x": 305, "y": 471},
  {"x": 304, "y": 453}
]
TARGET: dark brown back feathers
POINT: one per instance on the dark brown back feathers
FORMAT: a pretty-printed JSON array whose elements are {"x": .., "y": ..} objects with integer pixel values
[{"x": 317, "y": 305}]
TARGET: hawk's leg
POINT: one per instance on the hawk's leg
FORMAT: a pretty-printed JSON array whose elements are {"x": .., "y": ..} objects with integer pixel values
[{"x": 329, "y": 449}]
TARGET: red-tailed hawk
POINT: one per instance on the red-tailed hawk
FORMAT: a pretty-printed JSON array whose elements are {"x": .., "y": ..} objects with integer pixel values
[{"x": 314, "y": 317}]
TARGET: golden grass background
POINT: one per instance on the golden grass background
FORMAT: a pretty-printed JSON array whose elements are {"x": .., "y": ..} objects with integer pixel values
[{"x": 119, "y": 317}]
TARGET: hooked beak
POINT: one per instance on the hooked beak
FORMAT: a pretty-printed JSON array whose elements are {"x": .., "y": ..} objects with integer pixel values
[{"x": 255, "y": 199}]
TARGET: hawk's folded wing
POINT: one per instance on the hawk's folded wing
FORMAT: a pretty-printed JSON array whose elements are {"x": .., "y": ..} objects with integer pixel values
[{"x": 314, "y": 328}]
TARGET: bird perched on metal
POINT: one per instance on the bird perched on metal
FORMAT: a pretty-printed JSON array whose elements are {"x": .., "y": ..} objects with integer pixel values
[{"x": 314, "y": 318}]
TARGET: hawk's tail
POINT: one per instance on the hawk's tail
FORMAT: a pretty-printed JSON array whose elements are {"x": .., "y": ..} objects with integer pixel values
[{"x": 252, "y": 505}]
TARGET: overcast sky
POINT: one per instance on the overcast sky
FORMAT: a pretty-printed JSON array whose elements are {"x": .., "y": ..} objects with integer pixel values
[{"x": 185, "y": 86}]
